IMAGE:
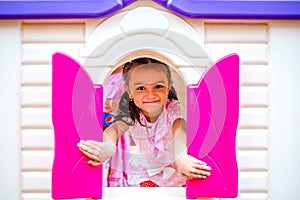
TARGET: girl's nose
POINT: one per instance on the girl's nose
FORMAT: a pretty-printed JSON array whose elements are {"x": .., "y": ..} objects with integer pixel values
[{"x": 151, "y": 93}]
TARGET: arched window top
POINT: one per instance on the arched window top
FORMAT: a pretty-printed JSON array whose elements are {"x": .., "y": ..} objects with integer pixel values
[{"x": 221, "y": 9}]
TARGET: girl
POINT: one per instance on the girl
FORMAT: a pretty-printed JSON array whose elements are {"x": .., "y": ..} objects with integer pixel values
[{"x": 151, "y": 114}]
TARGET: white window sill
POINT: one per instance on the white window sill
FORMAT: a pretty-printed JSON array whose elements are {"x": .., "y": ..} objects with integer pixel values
[{"x": 153, "y": 193}]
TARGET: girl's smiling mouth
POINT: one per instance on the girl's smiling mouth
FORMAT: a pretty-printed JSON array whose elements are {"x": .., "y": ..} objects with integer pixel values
[{"x": 151, "y": 102}]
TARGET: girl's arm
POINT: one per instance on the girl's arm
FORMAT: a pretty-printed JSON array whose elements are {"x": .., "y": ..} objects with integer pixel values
[
  {"x": 187, "y": 165},
  {"x": 99, "y": 152}
]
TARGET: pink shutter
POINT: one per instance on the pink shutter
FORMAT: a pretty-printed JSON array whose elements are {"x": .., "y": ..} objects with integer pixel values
[
  {"x": 74, "y": 118},
  {"x": 212, "y": 118}
]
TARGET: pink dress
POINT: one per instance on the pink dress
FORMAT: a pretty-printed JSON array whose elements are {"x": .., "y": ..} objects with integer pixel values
[{"x": 154, "y": 156}]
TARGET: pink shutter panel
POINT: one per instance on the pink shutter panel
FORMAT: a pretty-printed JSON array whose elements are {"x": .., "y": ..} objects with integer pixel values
[
  {"x": 212, "y": 118},
  {"x": 74, "y": 118}
]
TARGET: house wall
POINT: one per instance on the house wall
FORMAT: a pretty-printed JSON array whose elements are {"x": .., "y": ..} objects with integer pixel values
[{"x": 266, "y": 94}]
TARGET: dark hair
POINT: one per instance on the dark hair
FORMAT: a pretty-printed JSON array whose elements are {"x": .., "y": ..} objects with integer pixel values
[{"x": 128, "y": 111}]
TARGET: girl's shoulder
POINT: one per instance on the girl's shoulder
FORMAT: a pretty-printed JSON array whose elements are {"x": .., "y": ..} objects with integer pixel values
[
  {"x": 173, "y": 110},
  {"x": 171, "y": 104}
]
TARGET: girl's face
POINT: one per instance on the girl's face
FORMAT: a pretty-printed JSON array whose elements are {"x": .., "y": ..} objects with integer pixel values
[{"x": 149, "y": 89}]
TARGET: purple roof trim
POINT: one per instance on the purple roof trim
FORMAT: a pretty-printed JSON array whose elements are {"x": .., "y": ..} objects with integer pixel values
[
  {"x": 235, "y": 9},
  {"x": 48, "y": 9},
  {"x": 210, "y": 9}
]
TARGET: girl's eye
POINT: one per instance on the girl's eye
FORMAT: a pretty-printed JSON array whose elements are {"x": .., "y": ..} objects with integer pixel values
[
  {"x": 159, "y": 86},
  {"x": 140, "y": 88}
]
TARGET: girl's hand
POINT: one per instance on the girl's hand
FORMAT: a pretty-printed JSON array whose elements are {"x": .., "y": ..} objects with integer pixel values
[
  {"x": 111, "y": 106},
  {"x": 107, "y": 107},
  {"x": 98, "y": 152},
  {"x": 192, "y": 167}
]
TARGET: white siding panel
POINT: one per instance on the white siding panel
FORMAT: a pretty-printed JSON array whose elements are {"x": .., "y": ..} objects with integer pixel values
[
  {"x": 248, "y": 53},
  {"x": 253, "y": 117},
  {"x": 36, "y": 96},
  {"x": 36, "y": 181},
  {"x": 36, "y": 75},
  {"x": 36, "y": 117},
  {"x": 254, "y": 74},
  {"x": 42, "y": 53},
  {"x": 238, "y": 33},
  {"x": 36, "y": 196},
  {"x": 253, "y": 181},
  {"x": 252, "y": 160},
  {"x": 37, "y": 139},
  {"x": 37, "y": 160},
  {"x": 50, "y": 32},
  {"x": 40, "y": 41},
  {"x": 254, "y": 96},
  {"x": 252, "y": 139}
]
